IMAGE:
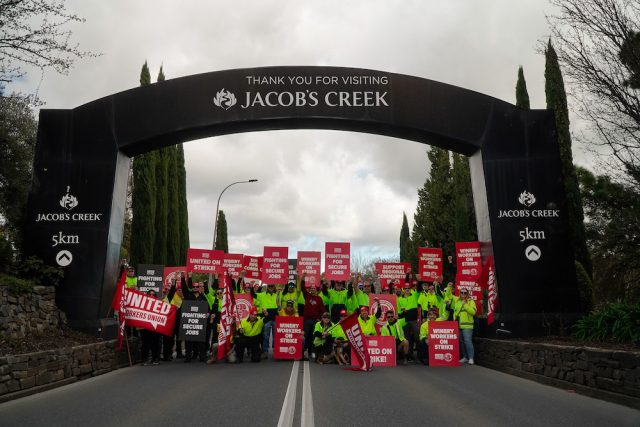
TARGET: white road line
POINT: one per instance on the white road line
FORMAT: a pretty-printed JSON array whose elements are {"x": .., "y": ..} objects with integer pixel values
[
  {"x": 289, "y": 404},
  {"x": 306, "y": 419}
]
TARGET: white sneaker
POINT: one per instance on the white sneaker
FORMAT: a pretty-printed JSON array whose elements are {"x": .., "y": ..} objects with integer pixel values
[
  {"x": 470, "y": 361},
  {"x": 463, "y": 360}
]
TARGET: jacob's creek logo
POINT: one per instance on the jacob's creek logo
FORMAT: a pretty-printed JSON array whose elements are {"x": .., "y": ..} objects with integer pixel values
[
  {"x": 527, "y": 199},
  {"x": 68, "y": 202},
  {"x": 344, "y": 94}
]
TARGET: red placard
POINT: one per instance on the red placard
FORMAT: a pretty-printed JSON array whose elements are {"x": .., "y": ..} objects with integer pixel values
[
  {"x": 337, "y": 261},
  {"x": 252, "y": 267},
  {"x": 475, "y": 291},
  {"x": 288, "y": 337},
  {"x": 244, "y": 303},
  {"x": 171, "y": 274},
  {"x": 353, "y": 332},
  {"x": 275, "y": 265},
  {"x": 468, "y": 259},
  {"x": 232, "y": 264},
  {"x": 429, "y": 264},
  {"x": 146, "y": 312},
  {"x": 309, "y": 264},
  {"x": 204, "y": 261},
  {"x": 387, "y": 302},
  {"x": 392, "y": 271},
  {"x": 382, "y": 351},
  {"x": 444, "y": 344}
]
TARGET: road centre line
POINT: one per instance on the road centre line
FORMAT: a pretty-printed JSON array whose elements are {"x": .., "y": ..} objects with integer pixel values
[
  {"x": 289, "y": 404},
  {"x": 306, "y": 417}
]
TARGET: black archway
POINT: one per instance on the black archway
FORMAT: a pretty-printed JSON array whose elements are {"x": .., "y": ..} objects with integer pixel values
[{"x": 85, "y": 153}]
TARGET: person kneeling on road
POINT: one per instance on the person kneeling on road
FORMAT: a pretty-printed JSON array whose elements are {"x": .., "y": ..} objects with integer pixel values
[
  {"x": 323, "y": 340},
  {"x": 249, "y": 336},
  {"x": 393, "y": 328}
]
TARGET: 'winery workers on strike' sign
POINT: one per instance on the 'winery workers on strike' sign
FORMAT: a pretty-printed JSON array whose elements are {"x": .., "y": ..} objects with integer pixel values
[{"x": 337, "y": 261}]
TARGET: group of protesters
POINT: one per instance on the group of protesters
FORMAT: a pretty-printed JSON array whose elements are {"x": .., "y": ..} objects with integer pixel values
[{"x": 322, "y": 309}]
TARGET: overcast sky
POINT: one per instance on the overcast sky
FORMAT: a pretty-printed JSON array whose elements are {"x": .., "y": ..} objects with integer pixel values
[{"x": 314, "y": 186}]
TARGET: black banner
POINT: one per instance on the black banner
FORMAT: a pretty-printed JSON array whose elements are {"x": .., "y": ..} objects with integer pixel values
[
  {"x": 194, "y": 316},
  {"x": 151, "y": 277}
]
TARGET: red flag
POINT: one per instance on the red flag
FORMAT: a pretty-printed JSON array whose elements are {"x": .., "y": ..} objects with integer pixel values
[
  {"x": 117, "y": 304},
  {"x": 352, "y": 330},
  {"x": 227, "y": 317},
  {"x": 492, "y": 290}
]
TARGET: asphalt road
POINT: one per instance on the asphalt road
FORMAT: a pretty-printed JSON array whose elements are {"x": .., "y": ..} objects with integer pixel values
[{"x": 254, "y": 395}]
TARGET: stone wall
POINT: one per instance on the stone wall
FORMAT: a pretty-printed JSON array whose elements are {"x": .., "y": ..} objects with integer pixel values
[
  {"x": 33, "y": 312},
  {"x": 29, "y": 373},
  {"x": 606, "y": 374}
]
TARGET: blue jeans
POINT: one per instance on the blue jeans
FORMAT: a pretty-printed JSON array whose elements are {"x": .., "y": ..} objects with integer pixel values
[
  {"x": 466, "y": 344},
  {"x": 267, "y": 331}
]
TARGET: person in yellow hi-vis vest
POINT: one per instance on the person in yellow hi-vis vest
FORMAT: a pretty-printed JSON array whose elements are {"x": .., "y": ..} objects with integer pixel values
[
  {"x": 393, "y": 329},
  {"x": 464, "y": 312},
  {"x": 250, "y": 331}
]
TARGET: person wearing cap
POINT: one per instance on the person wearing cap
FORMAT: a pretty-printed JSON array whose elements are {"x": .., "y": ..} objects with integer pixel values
[
  {"x": 368, "y": 323},
  {"x": 423, "y": 341},
  {"x": 268, "y": 303},
  {"x": 249, "y": 336},
  {"x": 341, "y": 347},
  {"x": 290, "y": 293},
  {"x": 289, "y": 309},
  {"x": 323, "y": 340},
  {"x": 408, "y": 311},
  {"x": 449, "y": 301},
  {"x": 429, "y": 299},
  {"x": 362, "y": 292},
  {"x": 393, "y": 328},
  {"x": 313, "y": 309},
  {"x": 132, "y": 280},
  {"x": 464, "y": 311}
]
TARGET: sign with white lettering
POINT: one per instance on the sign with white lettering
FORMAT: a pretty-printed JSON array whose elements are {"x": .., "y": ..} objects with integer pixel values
[
  {"x": 444, "y": 344},
  {"x": 337, "y": 261},
  {"x": 194, "y": 316},
  {"x": 275, "y": 265},
  {"x": 150, "y": 277}
]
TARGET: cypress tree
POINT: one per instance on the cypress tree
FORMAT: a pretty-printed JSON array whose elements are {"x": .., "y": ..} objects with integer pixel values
[
  {"x": 183, "y": 215},
  {"x": 522, "y": 96},
  {"x": 463, "y": 210},
  {"x": 405, "y": 240},
  {"x": 143, "y": 199},
  {"x": 221, "y": 233},
  {"x": 557, "y": 101},
  {"x": 433, "y": 221}
]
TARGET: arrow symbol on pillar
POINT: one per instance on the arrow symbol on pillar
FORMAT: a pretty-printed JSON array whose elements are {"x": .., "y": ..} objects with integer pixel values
[{"x": 533, "y": 253}]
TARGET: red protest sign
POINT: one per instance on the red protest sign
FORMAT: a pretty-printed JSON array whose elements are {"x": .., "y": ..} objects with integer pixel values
[
  {"x": 468, "y": 259},
  {"x": 353, "y": 332},
  {"x": 444, "y": 344},
  {"x": 429, "y": 264},
  {"x": 489, "y": 283},
  {"x": 244, "y": 303},
  {"x": 171, "y": 274},
  {"x": 475, "y": 291},
  {"x": 253, "y": 267},
  {"x": 147, "y": 312},
  {"x": 204, "y": 261},
  {"x": 275, "y": 265},
  {"x": 288, "y": 338},
  {"x": 392, "y": 271},
  {"x": 337, "y": 261},
  {"x": 309, "y": 264},
  {"x": 232, "y": 264},
  {"x": 382, "y": 351},
  {"x": 387, "y": 302}
]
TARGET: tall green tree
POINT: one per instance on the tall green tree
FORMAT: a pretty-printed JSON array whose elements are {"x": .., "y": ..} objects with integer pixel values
[
  {"x": 465, "y": 229},
  {"x": 522, "y": 96},
  {"x": 405, "y": 240},
  {"x": 557, "y": 101},
  {"x": 222, "y": 241},
  {"x": 433, "y": 221},
  {"x": 183, "y": 220},
  {"x": 18, "y": 129},
  {"x": 143, "y": 204}
]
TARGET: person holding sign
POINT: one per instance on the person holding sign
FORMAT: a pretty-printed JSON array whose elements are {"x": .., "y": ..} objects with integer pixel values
[
  {"x": 323, "y": 340},
  {"x": 464, "y": 312},
  {"x": 132, "y": 280},
  {"x": 313, "y": 310},
  {"x": 393, "y": 329},
  {"x": 268, "y": 303},
  {"x": 194, "y": 292},
  {"x": 249, "y": 331},
  {"x": 423, "y": 342},
  {"x": 289, "y": 309},
  {"x": 368, "y": 323},
  {"x": 337, "y": 295},
  {"x": 150, "y": 342},
  {"x": 429, "y": 299},
  {"x": 290, "y": 293}
]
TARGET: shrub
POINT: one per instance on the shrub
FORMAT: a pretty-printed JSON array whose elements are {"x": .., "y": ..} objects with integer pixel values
[
  {"x": 36, "y": 270},
  {"x": 619, "y": 322},
  {"x": 15, "y": 285}
]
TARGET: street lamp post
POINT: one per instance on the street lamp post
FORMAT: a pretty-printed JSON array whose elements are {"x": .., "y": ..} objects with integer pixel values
[{"x": 215, "y": 225}]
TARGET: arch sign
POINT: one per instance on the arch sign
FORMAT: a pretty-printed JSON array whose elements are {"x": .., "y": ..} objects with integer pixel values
[{"x": 77, "y": 202}]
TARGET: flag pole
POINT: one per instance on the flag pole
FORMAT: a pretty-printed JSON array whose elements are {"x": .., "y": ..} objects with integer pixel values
[{"x": 126, "y": 341}]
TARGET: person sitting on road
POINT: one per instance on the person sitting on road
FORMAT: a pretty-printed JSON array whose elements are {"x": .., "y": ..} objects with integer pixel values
[
  {"x": 323, "y": 340},
  {"x": 289, "y": 309},
  {"x": 249, "y": 336},
  {"x": 393, "y": 328},
  {"x": 423, "y": 341},
  {"x": 368, "y": 323}
]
